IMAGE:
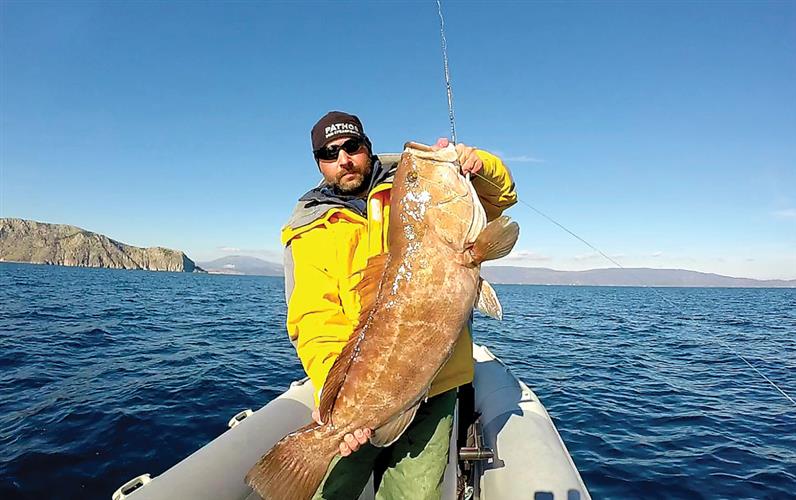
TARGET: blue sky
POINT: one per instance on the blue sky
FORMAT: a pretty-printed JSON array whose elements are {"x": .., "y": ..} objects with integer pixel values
[{"x": 663, "y": 133}]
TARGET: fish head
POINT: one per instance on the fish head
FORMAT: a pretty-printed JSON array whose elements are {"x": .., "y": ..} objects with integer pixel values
[{"x": 433, "y": 195}]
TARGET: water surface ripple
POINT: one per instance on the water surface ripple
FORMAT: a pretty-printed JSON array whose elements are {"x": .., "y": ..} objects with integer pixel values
[{"x": 107, "y": 374}]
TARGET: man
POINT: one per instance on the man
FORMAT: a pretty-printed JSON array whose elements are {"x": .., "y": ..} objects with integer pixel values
[{"x": 333, "y": 231}]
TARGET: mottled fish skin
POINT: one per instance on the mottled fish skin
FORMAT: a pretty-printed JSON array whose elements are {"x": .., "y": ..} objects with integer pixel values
[
  {"x": 425, "y": 289},
  {"x": 425, "y": 295}
]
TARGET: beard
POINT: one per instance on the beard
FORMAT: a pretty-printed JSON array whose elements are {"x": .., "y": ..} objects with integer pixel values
[{"x": 355, "y": 181}]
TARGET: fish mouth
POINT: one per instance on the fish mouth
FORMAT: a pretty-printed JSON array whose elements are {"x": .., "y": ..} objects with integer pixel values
[
  {"x": 419, "y": 147},
  {"x": 447, "y": 154}
]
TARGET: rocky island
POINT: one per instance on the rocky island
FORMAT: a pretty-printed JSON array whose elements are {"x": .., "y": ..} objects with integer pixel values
[{"x": 63, "y": 245}]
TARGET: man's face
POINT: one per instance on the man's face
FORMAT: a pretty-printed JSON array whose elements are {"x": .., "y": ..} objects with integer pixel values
[{"x": 348, "y": 173}]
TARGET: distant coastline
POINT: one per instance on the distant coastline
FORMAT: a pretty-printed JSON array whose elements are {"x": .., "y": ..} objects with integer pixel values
[
  {"x": 197, "y": 270},
  {"x": 242, "y": 265},
  {"x": 624, "y": 277},
  {"x": 517, "y": 272},
  {"x": 32, "y": 242},
  {"x": 514, "y": 275}
]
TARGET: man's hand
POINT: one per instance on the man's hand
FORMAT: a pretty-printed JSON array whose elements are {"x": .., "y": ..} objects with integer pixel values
[
  {"x": 468, "y": 159},
  {"x": 351, "y": 442}
]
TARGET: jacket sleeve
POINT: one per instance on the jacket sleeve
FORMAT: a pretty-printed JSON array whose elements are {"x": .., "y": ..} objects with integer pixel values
[
  {"x": 316, "y": 322},
  {"x": 494, "y": 185}
]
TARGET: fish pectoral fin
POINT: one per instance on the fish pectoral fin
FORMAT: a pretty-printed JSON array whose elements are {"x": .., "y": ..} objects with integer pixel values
[
  {"x": 496, "y": 240},
  {"x": 389, "y": 433},
  {"x": 488, "y": 302},
  {"x": 368, "y": 285}
]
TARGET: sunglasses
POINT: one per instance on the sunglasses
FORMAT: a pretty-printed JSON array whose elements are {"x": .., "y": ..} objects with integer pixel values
[{"x": 328, "y": 153}]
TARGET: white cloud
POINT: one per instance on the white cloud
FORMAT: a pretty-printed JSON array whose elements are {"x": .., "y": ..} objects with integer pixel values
[
  {"x": 778, "y": 265},
  {"x": 526, "y": 255},
  {"x": 657, "y": 254},
  {"x": 523, "y": 159},
  {"x": 229, "y": 266},
  {"x": 788, "y": 213},
  {"x": 268, "y": 254},
  {"x": 263, "y": 253}
]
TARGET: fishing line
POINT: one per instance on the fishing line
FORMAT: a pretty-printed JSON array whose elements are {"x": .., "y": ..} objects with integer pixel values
[
  {"x": 662, "y": 296},
  {"x": 447, "y": 72},
  {"x": 617, "y": 264}
]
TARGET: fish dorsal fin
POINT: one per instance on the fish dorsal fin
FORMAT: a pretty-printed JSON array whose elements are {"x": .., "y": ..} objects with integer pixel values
[
  {"x": 388, "y": 433},
  {"x": 496, "y": 240},
  {"x": 488, "y": 302},
  {"x": 367, "y": 289}
]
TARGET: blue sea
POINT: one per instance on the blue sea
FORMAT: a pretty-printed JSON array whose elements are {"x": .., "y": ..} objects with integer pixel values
[{"x": 107, "y": 374}]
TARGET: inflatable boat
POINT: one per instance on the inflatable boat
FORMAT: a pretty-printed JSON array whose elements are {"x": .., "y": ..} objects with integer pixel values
[{"x": 511, "y": 451}]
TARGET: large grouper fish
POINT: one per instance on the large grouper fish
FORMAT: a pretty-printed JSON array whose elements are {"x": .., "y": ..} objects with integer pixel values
[{"x": 415, "y": 299}]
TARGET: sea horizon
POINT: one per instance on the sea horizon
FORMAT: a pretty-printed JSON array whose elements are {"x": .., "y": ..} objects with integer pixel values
[{"x": 44, "y": 264}]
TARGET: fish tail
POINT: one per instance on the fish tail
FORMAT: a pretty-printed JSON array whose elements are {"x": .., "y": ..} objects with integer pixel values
[{"x": 295, "y": 466}]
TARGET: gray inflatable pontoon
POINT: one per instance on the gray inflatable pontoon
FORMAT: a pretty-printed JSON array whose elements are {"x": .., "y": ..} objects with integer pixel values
[{"x": 516, "y": 453}]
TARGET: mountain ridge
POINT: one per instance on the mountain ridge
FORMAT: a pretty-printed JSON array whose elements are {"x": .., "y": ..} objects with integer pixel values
[
  {"x": 637, "y": 276},
  {"x": 34, "y": 242},
  {"x": 242, "y": 265},
  {"x": 544, "y": 276}
]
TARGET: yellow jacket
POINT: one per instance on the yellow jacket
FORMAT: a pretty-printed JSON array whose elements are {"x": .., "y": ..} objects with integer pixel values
[{"x": 326, "y": 245}]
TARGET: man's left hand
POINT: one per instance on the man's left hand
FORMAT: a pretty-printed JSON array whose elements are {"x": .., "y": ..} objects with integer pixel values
[
  {"x": 351, "y": 442},
  {"x": 471, "y": 163}
]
